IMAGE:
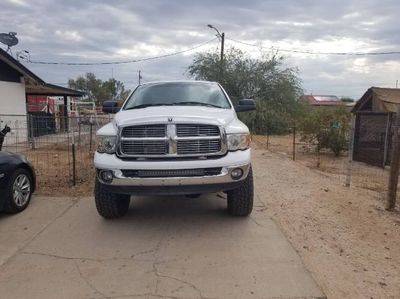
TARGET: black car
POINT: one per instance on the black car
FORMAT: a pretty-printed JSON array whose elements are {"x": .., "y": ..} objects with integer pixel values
[{"x": 17, "y": 182}]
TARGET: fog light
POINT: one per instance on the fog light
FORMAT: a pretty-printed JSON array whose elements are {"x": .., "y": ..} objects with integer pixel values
[
  {"x": 106, "y": 176},
  {"x": 236, "y": 173}
]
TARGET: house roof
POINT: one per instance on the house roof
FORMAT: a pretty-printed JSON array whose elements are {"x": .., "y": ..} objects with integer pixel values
[
  {"x": 34, "y": 84},
  {"x": 322, "y": 100},
  {"x": 388, "y": 99}
]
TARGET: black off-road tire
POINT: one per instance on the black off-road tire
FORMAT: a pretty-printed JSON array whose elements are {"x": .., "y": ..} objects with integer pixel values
[
  {"x": 10, "y": 206},
  {"x": 110, "y": 205},
  {"x": 240, "y": 200}
]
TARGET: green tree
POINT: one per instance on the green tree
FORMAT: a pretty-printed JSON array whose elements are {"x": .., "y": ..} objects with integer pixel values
[
  {"x": 347, "y": 100},
  {"x": 275, "y": 88},
  {"x": 97, "y": 90},
  {"x": 326, "y": 128}
]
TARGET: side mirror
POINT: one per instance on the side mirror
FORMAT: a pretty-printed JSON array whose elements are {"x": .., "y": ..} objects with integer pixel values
[
  {"x": 246, "y": 105},
  {"x": 110, "y": 107}
]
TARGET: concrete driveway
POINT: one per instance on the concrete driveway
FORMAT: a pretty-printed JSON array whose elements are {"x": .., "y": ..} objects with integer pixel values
[{"x": 164, "y": 248}]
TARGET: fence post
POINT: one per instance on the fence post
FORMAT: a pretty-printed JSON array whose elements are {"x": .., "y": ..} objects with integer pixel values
[
  {"x": 90, "y": 137},
  {"x": 350, "y": 150},
  {"x": 31, "y": 131},
  {"x": 73, "y": 165},
  {"x": 394, "y": 164},
  {"x": 294, "y": 143}
]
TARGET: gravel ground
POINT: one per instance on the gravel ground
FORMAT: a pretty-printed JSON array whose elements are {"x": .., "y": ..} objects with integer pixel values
[{"x": 345, "y": 237}]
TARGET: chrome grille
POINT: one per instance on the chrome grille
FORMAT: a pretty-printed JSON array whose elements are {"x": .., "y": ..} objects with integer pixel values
[
  {"x": 144, "y": 131},
  {"x": 171, "y": 140},
  {"x": 184, "y": 130},
  {"x": 187, "y": 147},
  {"x": 144, "y": 147}
]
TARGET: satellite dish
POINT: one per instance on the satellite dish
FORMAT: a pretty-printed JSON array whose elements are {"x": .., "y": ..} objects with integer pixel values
[{"x": 9, "y": 39}]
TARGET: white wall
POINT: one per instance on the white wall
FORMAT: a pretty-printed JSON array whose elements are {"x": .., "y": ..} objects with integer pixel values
[
  {"x": 13, "y": 111},
  {"x": 12, "y": 98}
]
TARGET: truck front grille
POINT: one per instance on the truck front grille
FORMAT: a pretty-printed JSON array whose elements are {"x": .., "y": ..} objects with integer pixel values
[
  {"x": 144, "y": 147},
  {"x": 144, "y": 131},
  {"x": 165, "y": 173},
  {"x": 171, "y": 140},
  {"x": 183, "y": 130},
  {"x": 187, "y": 147}
]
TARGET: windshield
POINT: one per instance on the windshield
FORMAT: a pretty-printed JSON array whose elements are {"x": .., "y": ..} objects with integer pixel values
[{"x": 177, "y": 94}]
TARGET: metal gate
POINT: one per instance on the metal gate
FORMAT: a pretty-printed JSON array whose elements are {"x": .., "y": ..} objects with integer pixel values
[{"x": 373, "y": 138}]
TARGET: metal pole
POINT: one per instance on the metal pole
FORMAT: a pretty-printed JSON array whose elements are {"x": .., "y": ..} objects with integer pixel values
[
  {"x": 90, "y": 138},
  {"x": 350, "y": 151},
  {"x": 222, "y": 55},
  {"x": 31, "y": 131},
  {"x": 386, "y": 144},
  {"x": 394, "y": 164},
  {"x": 73, "y": 165},
  {"x": 294, "y": 143}
]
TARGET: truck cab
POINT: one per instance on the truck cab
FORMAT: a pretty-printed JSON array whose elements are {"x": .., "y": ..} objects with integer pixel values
[{"x": 174, "y": 138}]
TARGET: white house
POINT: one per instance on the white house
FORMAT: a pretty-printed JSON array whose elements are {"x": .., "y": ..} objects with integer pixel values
[{"x": 17, "y": 85}]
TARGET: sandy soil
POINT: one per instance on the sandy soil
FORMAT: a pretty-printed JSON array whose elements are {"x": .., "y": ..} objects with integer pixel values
[{"x": 347, "y": 240}]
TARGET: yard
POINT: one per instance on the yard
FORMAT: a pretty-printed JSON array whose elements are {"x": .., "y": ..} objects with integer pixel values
[{"x": 345, "y": 237}]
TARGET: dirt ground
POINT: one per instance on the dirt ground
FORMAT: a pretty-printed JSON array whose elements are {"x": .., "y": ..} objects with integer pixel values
[
  {"x": 346, "y": 238},
  {"x": 362, "y": 175}
]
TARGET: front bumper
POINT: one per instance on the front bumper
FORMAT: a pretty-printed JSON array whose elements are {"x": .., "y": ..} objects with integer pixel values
[{"x": 173, "y": 185}]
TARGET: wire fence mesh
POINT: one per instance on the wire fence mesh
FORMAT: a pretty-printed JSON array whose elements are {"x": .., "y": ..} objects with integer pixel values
[
  {"x": 362, "y": 174},
  {"x": 47, "y": 141}
]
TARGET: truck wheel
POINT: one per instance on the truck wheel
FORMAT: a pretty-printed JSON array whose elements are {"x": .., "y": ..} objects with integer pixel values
[
  {"x": 240, "y": 200},
  {"x": 110, "y": 205}
]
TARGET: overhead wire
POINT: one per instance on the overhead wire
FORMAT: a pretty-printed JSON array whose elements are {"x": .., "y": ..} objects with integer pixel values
[
  {"x": 317, "y": 53},
  {"x": 123, "y": 61}
]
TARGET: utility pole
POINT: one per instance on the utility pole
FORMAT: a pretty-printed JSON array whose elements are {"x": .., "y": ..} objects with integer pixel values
[
  {"x": 140, "y": 77},
  {"x": 221, "y": 61}
]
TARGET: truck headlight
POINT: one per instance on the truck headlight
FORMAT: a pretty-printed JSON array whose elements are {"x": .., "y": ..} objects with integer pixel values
[
  {"x": 238, "y": 141},
  {"x": 106, "y": 144}
]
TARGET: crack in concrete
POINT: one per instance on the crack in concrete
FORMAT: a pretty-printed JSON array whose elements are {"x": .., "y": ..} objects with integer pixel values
[
  {"x": 90, "y": 285},
  {"x": 132, "y": 257},
  {"x": 158, "y": 275},
  {"x": 74, "y": 202}
]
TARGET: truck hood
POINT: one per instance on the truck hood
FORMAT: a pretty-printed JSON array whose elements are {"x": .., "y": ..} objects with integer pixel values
[{"x": 187, "y": 114}]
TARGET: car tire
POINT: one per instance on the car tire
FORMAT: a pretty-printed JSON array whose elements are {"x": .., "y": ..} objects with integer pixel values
[
  {"x": 240, "y": 200},
  {"x": 19, "y": 191},
  {"x": 110, "y": 205}
]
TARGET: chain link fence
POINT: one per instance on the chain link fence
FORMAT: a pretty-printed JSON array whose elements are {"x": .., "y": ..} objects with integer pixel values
[{"x": 60, "y": 148}]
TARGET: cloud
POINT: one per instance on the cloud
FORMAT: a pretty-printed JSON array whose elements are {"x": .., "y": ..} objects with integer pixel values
[{"x": 88, "y": 31}]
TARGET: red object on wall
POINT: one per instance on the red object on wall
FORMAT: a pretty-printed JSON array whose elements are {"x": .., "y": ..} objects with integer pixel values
[{"x": 40, "y": 103}]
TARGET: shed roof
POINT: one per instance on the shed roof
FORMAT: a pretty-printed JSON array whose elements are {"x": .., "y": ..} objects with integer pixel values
[
  {"x": 322, "y": 100},
  {"x": 34, "y": 84},
  {"x": 388, "y": 99}
]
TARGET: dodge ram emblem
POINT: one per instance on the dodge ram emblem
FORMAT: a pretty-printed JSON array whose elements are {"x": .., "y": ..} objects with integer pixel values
[{"x": 170, "y": 119}]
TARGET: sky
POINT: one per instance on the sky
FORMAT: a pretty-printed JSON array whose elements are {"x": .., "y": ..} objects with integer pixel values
[{"x": 104, "y": 31}]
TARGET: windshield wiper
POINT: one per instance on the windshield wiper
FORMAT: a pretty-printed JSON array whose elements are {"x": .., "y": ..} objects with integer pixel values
[
  {"x": 147, "y": 105},
  {"x": 196, "y": 104}
]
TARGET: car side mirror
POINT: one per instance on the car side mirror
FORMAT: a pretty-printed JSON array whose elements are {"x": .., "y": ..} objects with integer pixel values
[
  {"x": 110, "y": 107},
  {"x": 245, "y": 105}
]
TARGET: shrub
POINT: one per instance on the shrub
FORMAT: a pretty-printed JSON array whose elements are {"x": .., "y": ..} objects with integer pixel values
[{"x": 327, "y": 128}]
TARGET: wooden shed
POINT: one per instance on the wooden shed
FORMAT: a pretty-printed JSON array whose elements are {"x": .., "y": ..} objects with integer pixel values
[{"x": 375, "y": 113}]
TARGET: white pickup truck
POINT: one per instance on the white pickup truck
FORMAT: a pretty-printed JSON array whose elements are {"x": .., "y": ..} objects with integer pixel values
[{"x": 172, "y": 138}]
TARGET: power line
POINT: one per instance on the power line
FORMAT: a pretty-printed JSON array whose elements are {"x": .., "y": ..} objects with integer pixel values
[
  {"x": 320, "y": 53},
  {"x": 125, "y": 61}
]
